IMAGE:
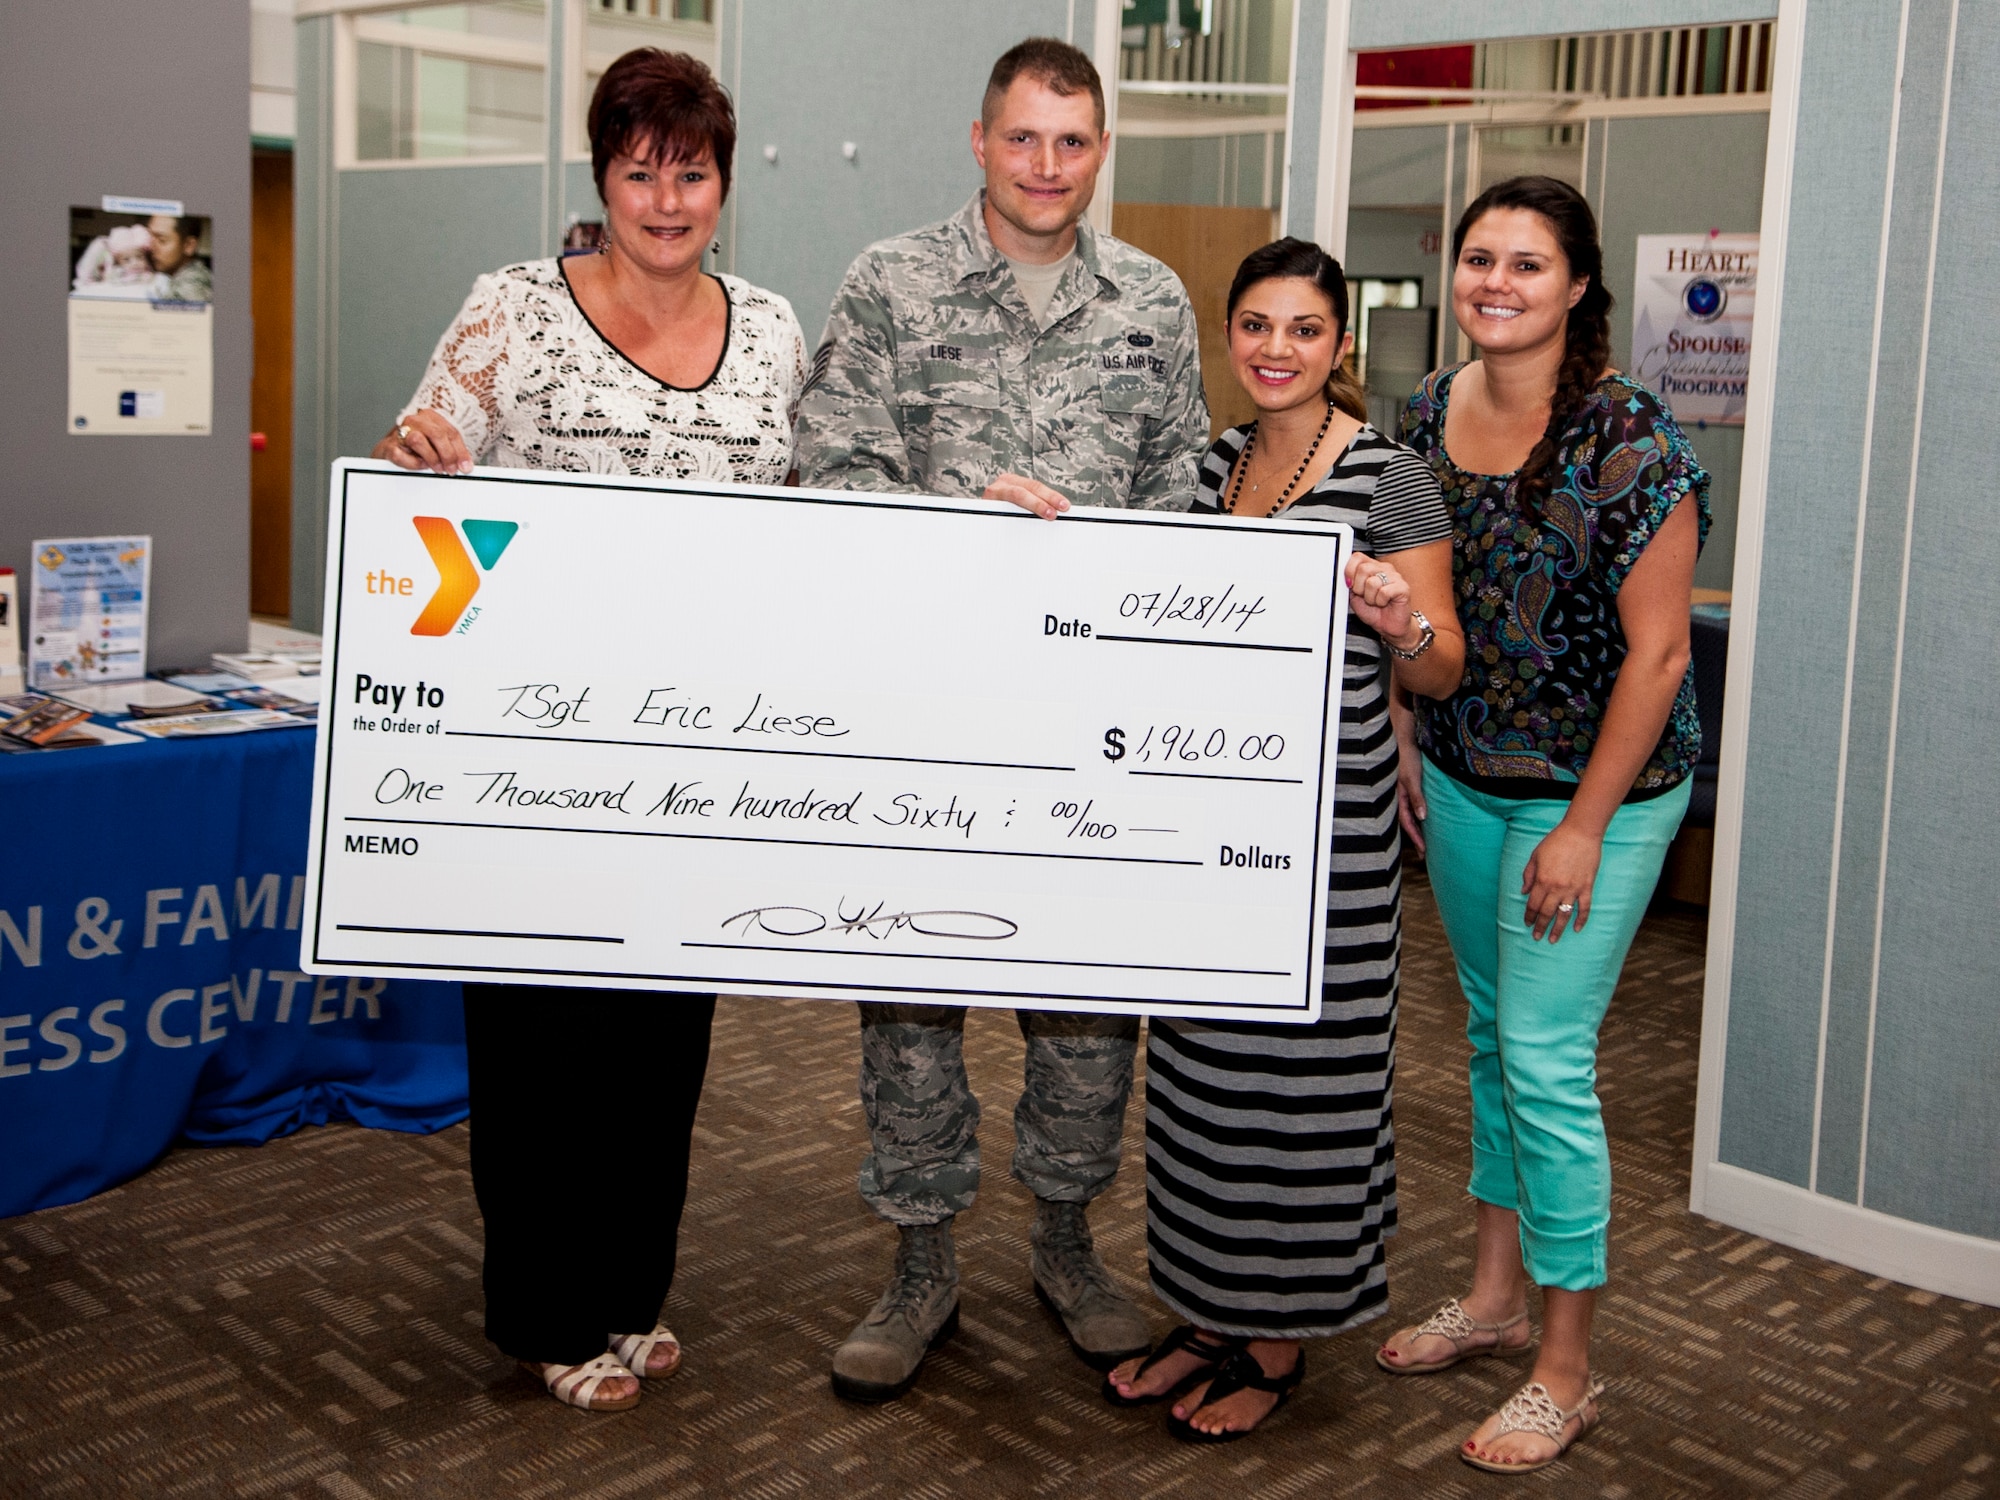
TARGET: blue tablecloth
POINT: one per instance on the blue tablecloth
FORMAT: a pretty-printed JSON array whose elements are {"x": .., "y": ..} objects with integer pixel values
[{"x": 149, "y": 970}]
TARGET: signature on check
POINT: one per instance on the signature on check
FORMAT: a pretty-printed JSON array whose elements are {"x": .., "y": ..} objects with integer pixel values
[{"x": 874, "y": 921}]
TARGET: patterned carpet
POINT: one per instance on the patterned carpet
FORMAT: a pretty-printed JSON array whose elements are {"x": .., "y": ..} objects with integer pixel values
[{"x": 302, "y": 1320}]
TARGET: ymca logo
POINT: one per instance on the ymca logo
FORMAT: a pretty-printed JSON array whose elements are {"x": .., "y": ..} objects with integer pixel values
[{"x": 458, "y": 579}]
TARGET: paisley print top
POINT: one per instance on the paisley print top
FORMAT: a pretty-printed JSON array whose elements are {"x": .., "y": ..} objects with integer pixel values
[{"x": 1538, "y": 597}]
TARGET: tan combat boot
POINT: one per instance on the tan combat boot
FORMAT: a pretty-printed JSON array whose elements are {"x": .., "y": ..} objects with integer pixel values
[
  {"x": 1105, "y": 1326},
  {"x": 919, "y": 1311}
]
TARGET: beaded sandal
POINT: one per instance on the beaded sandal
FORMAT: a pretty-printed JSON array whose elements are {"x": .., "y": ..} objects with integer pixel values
[
  {"x": 577, "y": 1385},
  {"x": 1455, "y": 1325},
  {"x": 635, "y": 1351},
  {"x": 1533, "y": 1409}
]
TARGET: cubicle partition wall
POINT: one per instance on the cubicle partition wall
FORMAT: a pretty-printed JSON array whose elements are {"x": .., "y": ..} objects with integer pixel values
[{"x": 1853, "y": 1026}]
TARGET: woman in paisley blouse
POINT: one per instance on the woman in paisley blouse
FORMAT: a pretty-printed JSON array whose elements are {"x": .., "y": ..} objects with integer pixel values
[
  {"x": 1550, "y": 783},
  {"x": 632, "y": 361}
]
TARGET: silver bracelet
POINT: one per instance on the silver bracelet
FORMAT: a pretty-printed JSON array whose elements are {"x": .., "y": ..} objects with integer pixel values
[{"x": 1423, "y": 641}]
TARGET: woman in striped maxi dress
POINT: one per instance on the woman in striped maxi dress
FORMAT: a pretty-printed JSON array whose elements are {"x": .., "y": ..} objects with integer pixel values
[{"x": 1270, "y": 1156}]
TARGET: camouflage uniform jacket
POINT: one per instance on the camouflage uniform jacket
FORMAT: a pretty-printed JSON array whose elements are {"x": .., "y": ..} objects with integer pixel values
[{"x": 934, "y": 377}]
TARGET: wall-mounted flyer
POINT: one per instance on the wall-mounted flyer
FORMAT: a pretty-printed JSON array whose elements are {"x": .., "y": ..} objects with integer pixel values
[
  {"x": 141, "y": 319},
  {"x": 1692, "y": 303},
  {"x": 87, "y": 618}
]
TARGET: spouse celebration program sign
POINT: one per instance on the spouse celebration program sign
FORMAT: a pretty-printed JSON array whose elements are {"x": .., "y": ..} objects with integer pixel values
[
  {"x": 677, "y": 736},
  {"x": 1691, "y": 308}
]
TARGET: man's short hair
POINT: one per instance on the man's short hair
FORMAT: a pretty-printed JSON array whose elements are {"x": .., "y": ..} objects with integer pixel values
[{"x": 1057, "y": 66}]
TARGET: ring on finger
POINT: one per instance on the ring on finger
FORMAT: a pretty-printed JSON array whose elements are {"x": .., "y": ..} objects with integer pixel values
[
  {"x": 1565, "y": 906},
  {"x": 403, "y": 433},
  {"x": 1383, "y": 579}
]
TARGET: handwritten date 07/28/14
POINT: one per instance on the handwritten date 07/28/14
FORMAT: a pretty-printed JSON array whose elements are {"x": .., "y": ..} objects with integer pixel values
[{"x": 1182, "y": 605}]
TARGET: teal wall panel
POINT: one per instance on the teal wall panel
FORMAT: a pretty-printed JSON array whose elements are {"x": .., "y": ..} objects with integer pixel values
[
  {"x": 1882, "y": 508},
  {"x": 410, "y": 242},
  {"x": 1870, "y": 774},
  {"x": 580, "y": 192},
  {"x": 314, "y": 211},
  {"x": 1821, "y": 401},
  {"x": 1933, "y": 1126},
  {"x": 1311, "y": 93}
]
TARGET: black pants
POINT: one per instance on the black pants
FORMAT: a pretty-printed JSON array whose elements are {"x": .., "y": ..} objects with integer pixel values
[{"x": 580, "y": 1224}]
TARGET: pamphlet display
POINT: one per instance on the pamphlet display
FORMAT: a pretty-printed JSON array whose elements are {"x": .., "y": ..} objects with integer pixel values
[
  {"x": 1692, "y": 304},
  {"x": 780, "y": 741},
  {"x": 89, "y": 610},
  {"x": 141, "y": 319}
]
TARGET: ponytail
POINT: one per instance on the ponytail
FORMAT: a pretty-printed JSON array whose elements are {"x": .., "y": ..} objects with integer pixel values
[
  {"x": 1587, "y": 333},
  {"x": 1307, "y": 262}
]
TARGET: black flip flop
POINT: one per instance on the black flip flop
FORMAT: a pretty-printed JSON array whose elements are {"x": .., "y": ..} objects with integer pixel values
[
  {"x": 1240, "y": 1373},
  {"x": 1212, "y": 1349}
]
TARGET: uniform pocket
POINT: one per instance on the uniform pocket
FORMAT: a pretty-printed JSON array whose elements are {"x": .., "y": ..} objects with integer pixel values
[{"x": 1131, "y": 393}]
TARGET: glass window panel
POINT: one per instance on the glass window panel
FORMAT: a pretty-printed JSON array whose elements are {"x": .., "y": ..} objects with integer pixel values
[
  {"x": 429, "y": 87},
  {"x": 509, "y": 20},
  {"x": 1201, "y": 102},
  {"x": 385, "y": 84},
  {"x": 477, "y": 109},
  {"x": 1530, "y": 150}
]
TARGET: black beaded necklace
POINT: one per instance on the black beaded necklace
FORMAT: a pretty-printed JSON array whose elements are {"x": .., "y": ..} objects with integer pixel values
[{"x": 1250, "y": 447}]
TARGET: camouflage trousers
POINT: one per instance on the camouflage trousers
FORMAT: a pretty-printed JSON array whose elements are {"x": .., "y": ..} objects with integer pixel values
[{"x": 923, "y": 1122}]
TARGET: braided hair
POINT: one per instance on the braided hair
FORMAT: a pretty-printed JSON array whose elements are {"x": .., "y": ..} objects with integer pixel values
[
  {"x": 1586, "y": 336},
  {"x": 1289, "y": 257}
]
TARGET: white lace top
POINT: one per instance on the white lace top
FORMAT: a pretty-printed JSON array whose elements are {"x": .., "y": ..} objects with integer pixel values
[{"x": 530, "y": 383}]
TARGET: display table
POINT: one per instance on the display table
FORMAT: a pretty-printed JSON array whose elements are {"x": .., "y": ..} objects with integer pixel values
[{"x": 150, "y": 989}]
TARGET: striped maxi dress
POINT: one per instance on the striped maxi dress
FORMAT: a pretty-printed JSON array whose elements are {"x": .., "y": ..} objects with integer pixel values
[{"x": 1270, "y": 1151}]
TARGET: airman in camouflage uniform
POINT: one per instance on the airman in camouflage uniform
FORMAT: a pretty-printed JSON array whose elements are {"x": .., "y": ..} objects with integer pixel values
[
  {"x": 935, "y": 377},
  {"x": 938, "y": 376}
]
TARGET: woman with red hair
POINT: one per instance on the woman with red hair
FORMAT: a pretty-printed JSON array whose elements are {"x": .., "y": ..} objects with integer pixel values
[{"x": 630, "y": 361}]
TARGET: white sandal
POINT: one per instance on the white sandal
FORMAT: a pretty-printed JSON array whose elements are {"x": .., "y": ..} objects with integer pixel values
[
  {"x": 1533, "y": 1409},
  {"x": 577, "y": 1385},
  {"x": 635, "y": 1351},
  {"x": 1457, "y": 1327}
]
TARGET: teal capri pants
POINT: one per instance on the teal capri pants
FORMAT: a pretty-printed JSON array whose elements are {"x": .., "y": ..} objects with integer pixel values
[{"x": 1538, "y": 1144}]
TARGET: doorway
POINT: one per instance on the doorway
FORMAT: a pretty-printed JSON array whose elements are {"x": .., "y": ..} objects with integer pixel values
[{"x": 271, "y": 382}]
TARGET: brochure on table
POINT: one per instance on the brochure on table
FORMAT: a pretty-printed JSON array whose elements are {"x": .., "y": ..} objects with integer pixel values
[{"x": 88, "y": 611}]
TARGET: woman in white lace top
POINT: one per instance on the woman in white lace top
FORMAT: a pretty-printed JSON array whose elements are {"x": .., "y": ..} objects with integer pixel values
[{"x": 633, "y": 361}]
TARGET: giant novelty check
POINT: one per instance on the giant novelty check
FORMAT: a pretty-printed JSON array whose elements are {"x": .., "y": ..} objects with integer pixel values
[{"x": 702, "y": 737}]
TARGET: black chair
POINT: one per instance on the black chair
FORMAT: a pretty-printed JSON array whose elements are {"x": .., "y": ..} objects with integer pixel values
[{"x": 1709, "y": 639}]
